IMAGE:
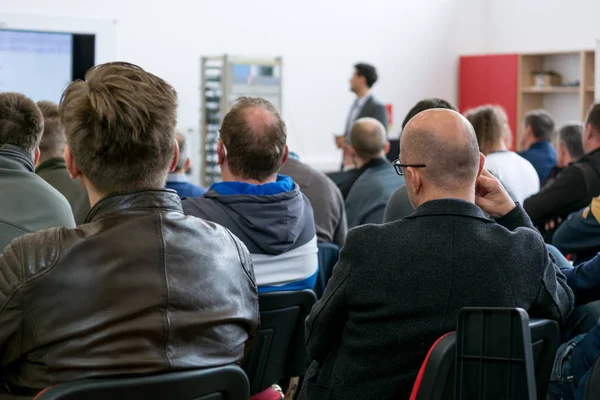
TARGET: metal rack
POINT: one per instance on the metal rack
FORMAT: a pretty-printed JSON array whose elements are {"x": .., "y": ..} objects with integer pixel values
[{"x": 224, "y": 79}]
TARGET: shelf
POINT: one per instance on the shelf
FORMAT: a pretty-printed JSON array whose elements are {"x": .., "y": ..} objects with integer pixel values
[
  {"x": 590, "y": 89},
  {"x": 556, "y": 89}
]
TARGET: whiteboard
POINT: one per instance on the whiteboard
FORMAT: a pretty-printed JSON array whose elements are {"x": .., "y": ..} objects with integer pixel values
[{"x": 104, "y": 29}]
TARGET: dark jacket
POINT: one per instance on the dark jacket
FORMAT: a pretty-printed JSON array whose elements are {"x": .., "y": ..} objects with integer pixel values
[
  {"x": 398, "y": 287},
  {"x": 139, "y": 289},
  {"x": 579, "y": 235},
  {"x": 543, "y": 158},
  {"x": 373, "y": 108},
  {"x": 27, "y": 202},
  {"x": 573, "y": 189},
  {"x": 54, "y": 171},
  {"x": 325, "y": 198},
  {"x": 584, "y": 280},
  {"x": 275, "y": 221}
]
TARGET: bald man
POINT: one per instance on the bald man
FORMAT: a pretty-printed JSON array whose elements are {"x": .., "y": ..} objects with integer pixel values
[
  {"x": 398, "y": 287},
  {"x": 264, "y": 210},
  {"x": 375, "y": 179}
]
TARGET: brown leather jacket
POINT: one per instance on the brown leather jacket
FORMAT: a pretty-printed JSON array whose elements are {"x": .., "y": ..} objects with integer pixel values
[{"x": 139, "y": 289}]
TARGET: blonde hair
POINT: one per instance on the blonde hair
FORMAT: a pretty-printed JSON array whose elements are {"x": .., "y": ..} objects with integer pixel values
[
  {"x": 120, "y": 126},
  {"x": 490, "y": 125}
]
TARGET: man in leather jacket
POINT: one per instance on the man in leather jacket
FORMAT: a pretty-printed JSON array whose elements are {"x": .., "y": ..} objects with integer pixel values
[{"x": 140, "y": 288}]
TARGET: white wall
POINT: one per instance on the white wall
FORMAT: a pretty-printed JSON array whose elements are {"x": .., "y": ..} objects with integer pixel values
[
  {"x": 540, "y": 25},
  {"x": 415, "y": 46}
]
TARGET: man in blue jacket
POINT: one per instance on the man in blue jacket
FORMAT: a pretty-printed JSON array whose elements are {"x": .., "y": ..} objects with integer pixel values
[
  {"x": 537, "y": 133},
  {"x": 177, "y": 180}
]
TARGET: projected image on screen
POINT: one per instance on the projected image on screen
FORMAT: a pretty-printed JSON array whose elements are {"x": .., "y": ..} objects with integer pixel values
[{"x": 37, "y": 64}]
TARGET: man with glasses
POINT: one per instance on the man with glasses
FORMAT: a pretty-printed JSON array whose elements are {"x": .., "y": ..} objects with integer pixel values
[
  {"x": 376, "y": 180},
  {"x": 398, "y": 287}
]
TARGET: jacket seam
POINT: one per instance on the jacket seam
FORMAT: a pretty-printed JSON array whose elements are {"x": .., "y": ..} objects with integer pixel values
[
  {"x": 2, "y": 221},
  {"x": 166, "y": 308}
]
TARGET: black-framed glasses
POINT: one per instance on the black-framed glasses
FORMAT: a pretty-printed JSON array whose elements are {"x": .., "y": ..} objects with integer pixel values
[{"x": 398, "y": 167}]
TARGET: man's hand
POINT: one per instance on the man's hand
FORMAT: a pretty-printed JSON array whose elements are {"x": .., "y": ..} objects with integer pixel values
[
  {"x": 340, "y": 141},
  {"x": 552, "y": 224},
  {"x": 491, "y": 196}
]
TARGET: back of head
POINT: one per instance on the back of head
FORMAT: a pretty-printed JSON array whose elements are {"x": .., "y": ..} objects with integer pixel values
[
  {"x": 181, "y": 142},
  {"x": 541, "y": 123},
  {"x": 593, "y": 118},
  {"x": 254, "y": 137},
  {"x": 427, "y": 104},
  {"x": 489, "y": 123},
  {"x": 48, "y": 108},
  {"x": 443, "y": 141},
  {"x": 21, "y": 121},
  {"x": 368, "y": 138},
  {"x": 368, "y": 72},
  {"x": 120, "y": 126},
  {"x": 570, "y": 135}
]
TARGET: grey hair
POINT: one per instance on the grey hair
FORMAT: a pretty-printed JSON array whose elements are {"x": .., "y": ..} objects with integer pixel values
[
  {"x": 181, "y": 141},
  {"x": 571, "y": 136}
]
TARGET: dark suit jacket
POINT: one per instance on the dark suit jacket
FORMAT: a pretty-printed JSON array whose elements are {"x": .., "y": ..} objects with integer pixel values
[
  {"x": 398, "y": 287},
  {"x": 373, "y": 108}
]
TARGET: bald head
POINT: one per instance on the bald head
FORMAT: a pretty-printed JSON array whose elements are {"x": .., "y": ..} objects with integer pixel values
[
  {"x": 368, "y": 138},
  {"x": 254, "y": 136},
  {"x": 445, "y": 142}
]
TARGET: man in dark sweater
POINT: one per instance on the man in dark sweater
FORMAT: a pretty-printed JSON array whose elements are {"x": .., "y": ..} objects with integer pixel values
[
  {"x": 398, "y": 287},
  {"x": 575, "y": 186}
]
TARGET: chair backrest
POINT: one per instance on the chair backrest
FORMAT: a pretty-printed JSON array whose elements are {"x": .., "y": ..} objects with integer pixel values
[
  {"x": 592, "y": 384},
  {"x": 545, "y": 335},
  {"x": 435, "y": 380},
  {"x": 223, "y": 383},
  {"x": 494, "y": 356},
  {"x": 279, "y": 352},
  {"x": 328, "y": 257}
]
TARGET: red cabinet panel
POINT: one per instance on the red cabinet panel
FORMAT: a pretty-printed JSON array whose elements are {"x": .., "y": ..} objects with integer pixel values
[{"x": 490, "y": 79}]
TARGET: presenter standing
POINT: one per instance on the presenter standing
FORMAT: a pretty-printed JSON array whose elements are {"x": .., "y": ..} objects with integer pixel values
[{"x": 365, "y": 105}]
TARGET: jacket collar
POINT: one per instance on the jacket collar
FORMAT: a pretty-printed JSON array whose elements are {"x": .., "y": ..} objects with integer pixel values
[
  {"x": 162, "y": 199},
  {"x": 450, "y": 207},
  {"x": 51, "y": 164},
  {"x": 15, "y": 158}
]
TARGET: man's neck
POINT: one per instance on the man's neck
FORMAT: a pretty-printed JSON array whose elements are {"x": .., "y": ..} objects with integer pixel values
[
  {"x": 362, "y": 162},
  {"x": 361, "y": 93},
  {"x": 500, "y": 146},
  {"x": 467, "y": 195},
  {"x": 44, "y": 159},
  {"x": 231, "y": 178}
]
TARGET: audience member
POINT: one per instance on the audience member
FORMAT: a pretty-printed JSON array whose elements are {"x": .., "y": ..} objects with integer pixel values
[
  {"x": 575, "y": 186},
  {"x": 579, "y": 235},
  {"x": 538, "y": 129},
  {"x": 516, "y": 174},
  {"x": 51, "y": 166},
  {"x": 569, "y": 148},
  {"x": 326, "y": 200},
  {"x": 29, "y": 204},
  {"x": 377, "y": 181},
  {"x": 265, "y": 210},
  {"x": 139, "y": 289},
  {"x": 399, "y": 206},
  {"x": 177, "y": 180},
  {"x": 365, "y": 105},
  {"x": 367, "y": 342}
]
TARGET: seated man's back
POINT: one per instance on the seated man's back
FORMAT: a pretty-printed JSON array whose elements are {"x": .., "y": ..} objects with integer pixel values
[
  {"x": 264, "y": 210},
  {"x": 28, "y": 203},
  {"x": 398, "y": 287},
  {"x": 370, "y": 193},
  {"x": 141, "y": 288}
]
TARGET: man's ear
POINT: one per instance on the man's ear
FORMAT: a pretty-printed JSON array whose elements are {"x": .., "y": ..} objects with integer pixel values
[
  {"x": 36, "y": 156},
  {"x": 187, "y": 164},
  {"x": 221, "y": 153},
  {"x": 387, "y": 147},
  {"x": 351, "y": 151},
  {"x": 481, "y": 164},
  {"x": 286, "y": 154},
  {"x": 71, "y": 163},
  {"x": 175, "y": 159}
]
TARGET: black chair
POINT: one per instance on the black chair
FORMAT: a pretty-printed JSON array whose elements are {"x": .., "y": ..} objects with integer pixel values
[
  {"x": 592, "y": 385},
  {"x": 435, "y": 380},
  {"x": 223, "y": 383},
  {"x": 279, "y": 352},
  {"x": 328, "y": 257},
  {"x": 545, "y": 335}
]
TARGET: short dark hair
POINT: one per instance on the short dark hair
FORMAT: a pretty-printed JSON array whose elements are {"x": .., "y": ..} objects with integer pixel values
[
  {"x": 120, "y": 126},
  {"x": 593, "y": 117},
  {"x": 254, "y": 150},
  {"x": 368, "y": 71},
  {"x": 48, "y": 108},
  {"x": 571, "y": 136},
  {"x": 427, "y": 104},
  {"x": 54, "y": 140},
  {"x": 21, "y": 121},
  {"x": 541, "y": 123}
]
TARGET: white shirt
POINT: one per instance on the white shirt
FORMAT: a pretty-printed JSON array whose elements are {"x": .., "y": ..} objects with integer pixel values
[{"x": 516, "y": 174}]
